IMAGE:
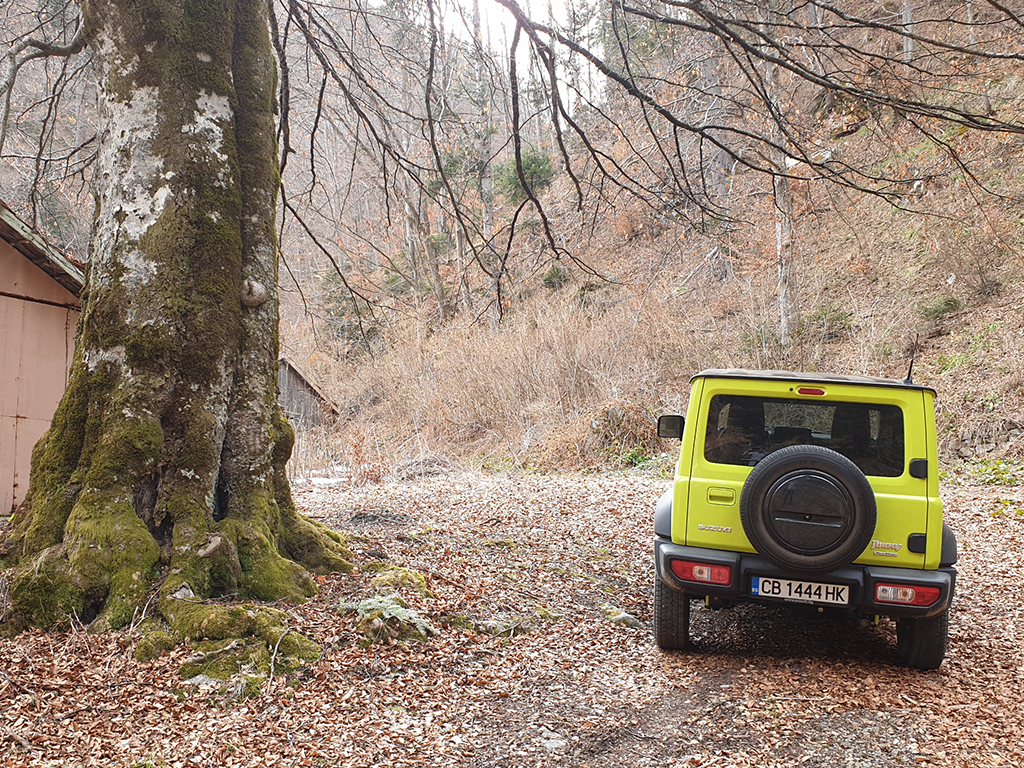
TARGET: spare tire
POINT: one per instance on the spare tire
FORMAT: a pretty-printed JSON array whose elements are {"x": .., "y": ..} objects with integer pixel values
[{"x": 807, "y": 508}]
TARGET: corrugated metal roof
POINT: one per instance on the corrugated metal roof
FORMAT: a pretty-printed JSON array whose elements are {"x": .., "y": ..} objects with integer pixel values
[{"x": 54, "y": 263}]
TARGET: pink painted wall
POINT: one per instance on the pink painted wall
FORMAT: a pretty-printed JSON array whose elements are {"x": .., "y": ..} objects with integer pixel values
[{"x": 37, "y": 342}]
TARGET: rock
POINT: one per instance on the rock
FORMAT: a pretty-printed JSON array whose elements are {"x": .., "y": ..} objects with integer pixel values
[
  {"x": 393, "y": 579},
  {"x": 184, "y": 592},
  {"x": 620, "y": 617},
  {"x": 386, "y": 618},
  {"x": 504, "y": 627},
  {"x": 552, "y": 741}
]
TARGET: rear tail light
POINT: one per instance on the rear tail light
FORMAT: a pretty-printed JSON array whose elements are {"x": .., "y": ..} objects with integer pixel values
[
  {"x": 720, "y": 575},
  {"x": 904, "y": 594}
]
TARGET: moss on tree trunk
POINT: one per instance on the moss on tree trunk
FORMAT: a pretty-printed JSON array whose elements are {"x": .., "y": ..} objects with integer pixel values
[{"x": 165, "y": 462}]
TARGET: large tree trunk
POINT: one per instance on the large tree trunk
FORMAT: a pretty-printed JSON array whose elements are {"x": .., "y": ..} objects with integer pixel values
[{"x": 166, "y": 457}]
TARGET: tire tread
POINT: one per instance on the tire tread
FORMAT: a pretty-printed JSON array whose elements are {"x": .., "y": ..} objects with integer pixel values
[
  {"x": 671, "y": 617},
  {"x": 922, "y": 642}
]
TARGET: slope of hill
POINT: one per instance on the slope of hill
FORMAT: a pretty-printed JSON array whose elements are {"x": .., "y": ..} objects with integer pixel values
[{"x": 580, "y": 365}]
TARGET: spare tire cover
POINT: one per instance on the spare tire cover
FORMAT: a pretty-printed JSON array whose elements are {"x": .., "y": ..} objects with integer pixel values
[{"x": 807, "y": 508}]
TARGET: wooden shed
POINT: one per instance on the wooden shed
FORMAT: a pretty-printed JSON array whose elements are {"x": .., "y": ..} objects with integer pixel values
[
  {"x": 304, "y": 402},
  {"x": 39, "y": 309}
]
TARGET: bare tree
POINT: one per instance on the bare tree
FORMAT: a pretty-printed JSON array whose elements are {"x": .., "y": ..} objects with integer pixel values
[
  {"x": 46, "y": 125},
  {"x": 839, "y": 59},
  {"x": 61, "y": 36}
]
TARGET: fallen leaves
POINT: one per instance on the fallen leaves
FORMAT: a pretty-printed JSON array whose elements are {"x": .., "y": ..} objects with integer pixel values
[{"x": 572, "y": 689}]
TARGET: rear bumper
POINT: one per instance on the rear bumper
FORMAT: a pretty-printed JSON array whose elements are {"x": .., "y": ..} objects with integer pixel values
[{"x": 860, "y": 579}]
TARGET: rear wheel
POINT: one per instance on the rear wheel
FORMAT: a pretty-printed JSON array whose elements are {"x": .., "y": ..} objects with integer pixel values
[
  {"x": 922, "y": 642},
  {"x": 671, "y": 617}
]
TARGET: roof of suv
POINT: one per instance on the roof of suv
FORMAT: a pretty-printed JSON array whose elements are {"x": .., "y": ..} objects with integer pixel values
[{"x": 807, "y": 378}]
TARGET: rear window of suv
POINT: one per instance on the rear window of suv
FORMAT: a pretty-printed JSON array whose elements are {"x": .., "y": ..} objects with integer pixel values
[{"x": 743, "y": 430}]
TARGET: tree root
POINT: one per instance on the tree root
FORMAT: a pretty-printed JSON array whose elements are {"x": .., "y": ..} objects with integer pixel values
[{"x": 228, "y": 639}]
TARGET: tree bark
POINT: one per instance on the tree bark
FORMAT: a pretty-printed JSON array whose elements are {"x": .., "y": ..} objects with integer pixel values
[
  {"x": 165, "y": 461},
  {"x": 717, "y": 161},
  {"x": 789, "y": 309},
  {"x": 908, "y": 22},
  {"x": 782, "y": 198}
]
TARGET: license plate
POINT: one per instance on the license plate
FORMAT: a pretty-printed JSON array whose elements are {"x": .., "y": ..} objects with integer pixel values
[{"x": 800, "y": 591}]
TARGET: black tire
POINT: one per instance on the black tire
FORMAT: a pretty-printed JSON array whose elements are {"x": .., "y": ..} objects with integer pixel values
[
  {"x": 671, "y": 617},
  {"x": 808, "y": 509},
  {"x": 922, "y": 642}
]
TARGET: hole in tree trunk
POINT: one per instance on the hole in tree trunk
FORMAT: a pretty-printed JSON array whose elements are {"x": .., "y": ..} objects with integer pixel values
[
  {"x": 144, "y": 500},
  {"x": 90, "y": 610},
  {"x": 220, "y": 499}
]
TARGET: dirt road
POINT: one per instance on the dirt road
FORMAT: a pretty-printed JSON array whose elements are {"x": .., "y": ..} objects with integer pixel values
[{"x": 522, "y": 574}]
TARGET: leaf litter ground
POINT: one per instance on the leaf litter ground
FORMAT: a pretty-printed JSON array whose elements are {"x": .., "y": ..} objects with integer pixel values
[{"x": 527, "y": 669}]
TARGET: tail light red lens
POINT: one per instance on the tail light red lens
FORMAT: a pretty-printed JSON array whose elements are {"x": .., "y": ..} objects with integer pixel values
[
  {"x": 719, "y": 575},
  {"x": 905, "y": 594}
]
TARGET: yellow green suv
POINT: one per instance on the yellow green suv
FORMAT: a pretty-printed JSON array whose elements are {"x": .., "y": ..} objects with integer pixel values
[{"x": 808, "y": 490}]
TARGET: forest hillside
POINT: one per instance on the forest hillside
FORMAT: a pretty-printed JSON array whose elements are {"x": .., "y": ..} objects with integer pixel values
[
  {"x": 512, "y": 231},
  {"x": 586, "y": 357}
]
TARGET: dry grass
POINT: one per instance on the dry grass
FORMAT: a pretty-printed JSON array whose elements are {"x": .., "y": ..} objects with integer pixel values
[
  {"x": 532, "y": 389},
  {"x": 876, "y": 284},
  {"x": 484, "y": 390},
  {"x": 618, "y": 433}
]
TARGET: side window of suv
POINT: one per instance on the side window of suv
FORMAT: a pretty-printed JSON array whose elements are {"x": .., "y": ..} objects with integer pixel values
[{"x": 743, "y": 430}]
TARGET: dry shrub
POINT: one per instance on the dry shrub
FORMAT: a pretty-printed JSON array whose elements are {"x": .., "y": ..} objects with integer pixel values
[
  {"x": 618, "y": 434},
  {"x": 316, "y": 451},
  {"x": 484, "y": 390},
  {"x": 629, "y": 222},
  {"x": 366, "y": 463}
]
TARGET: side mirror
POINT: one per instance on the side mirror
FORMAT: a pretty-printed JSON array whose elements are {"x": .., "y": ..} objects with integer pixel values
[{"x": 670, "y": 426}]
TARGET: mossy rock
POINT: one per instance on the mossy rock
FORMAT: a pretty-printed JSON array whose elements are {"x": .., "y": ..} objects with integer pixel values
[
  {"x": 375, "y": 566},
  {"x": 220, "y": 660},
  {"x": 156, "y": 639},
  {"x": 250, "y": 638},
  {"x": 544, "y": 613},
  {"x": 247, "y": 686},
  {"x": 253, "y": 658},
  {"x": 506, "y": 626},
  {"x": 195, "y": 620},
  {"x": 500, "y": 543},
  {"x": 290, "y": 650},
  {"x": 619, "y": 617},
  {"x": 239, "y": 687},
  {"x": 393, "y": 579},
  {"x": 458, "y": 621},
  {"x": 387, "y": 619}
]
